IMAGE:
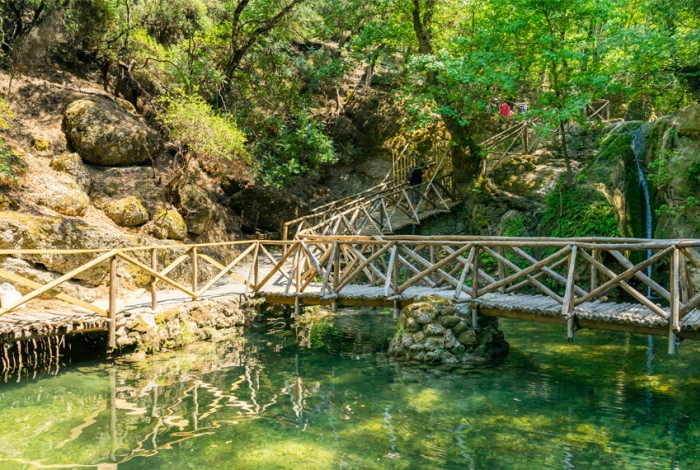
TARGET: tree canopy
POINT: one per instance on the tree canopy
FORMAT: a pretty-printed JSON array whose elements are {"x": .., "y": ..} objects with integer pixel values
[{"x": 262, "y": 72}]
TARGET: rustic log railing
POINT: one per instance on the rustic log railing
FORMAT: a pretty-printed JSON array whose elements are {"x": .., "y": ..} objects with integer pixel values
[
  {"x": 568, "y": 281},
  {"x": 379, "y": 213}
]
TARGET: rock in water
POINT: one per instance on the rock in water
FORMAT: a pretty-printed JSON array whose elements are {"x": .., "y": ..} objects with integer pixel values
[
  {"x": 447, "y": 336},
  {"x": 127, "y": 212},
  {"x": 62, "y": 194},
  {"x": 104, "y": 133},
  {"x": 72, "y": 164}
]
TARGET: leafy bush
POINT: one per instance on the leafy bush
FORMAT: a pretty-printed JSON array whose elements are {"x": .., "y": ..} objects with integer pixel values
[
  {"x": 215, "y": 141},
  {"x": 292, "y": 147}
]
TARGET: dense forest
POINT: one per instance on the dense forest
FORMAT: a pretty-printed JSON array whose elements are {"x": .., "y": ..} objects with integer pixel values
[{"x": 251, "y": 88}]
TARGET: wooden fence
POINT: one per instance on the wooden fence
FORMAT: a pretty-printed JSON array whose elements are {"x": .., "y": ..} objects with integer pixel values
[
  {"x": 572, "y": 277},
  {"x": 378, "y": 213}
]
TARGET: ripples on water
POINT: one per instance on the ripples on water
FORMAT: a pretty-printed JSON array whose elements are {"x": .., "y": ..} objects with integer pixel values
[{"x": 610, "y": 400}]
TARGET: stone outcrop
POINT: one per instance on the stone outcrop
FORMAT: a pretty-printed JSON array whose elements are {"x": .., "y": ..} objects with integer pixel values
[
  {"x": 199, "y": 222},
  {"x": 72, "y": 164},
  {"x": 434, "y": 331},
  {"x": 104, "y": 133},
  {"x": 62, "y": 194},
  {"x": 207, "y": 320},
  {"x": 128, "y": 211},
  {"x": 25, "y": 231},
  {"x": 168, "y": 223}
]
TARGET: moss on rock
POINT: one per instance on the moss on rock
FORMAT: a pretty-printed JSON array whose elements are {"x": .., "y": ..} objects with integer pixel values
[
  {"x": 72, "y": 164},
  {"x": 127, "y": 212},
  {"x": 62, "y": 194},
  {"x": 168, "y": 223},
  {"x": 104, "y": 133}
]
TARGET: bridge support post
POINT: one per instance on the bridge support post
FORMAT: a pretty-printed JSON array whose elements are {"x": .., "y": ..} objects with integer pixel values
[
  {"x": 570, "y": 330},
  {"x": 674, "y": 286},
  {"x": 112, "y": 341},
  {"x": 397, "y": 309},
  {"x": 334, "y": 306},
  {"x": 475, "y": 315},
  {"x": 297, "y": 306}
]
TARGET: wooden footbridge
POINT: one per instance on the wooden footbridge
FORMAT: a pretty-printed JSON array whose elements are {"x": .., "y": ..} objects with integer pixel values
[{"x": 596, "y": 283}]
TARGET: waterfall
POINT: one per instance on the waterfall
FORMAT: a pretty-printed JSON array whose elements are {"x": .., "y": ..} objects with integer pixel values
[{"x": 639, "y": 138}]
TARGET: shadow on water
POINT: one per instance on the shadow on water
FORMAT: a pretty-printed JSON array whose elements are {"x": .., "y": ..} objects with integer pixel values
[{"x": 323, "y": 394}]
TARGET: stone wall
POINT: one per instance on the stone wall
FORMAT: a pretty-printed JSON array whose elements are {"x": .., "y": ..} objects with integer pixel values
[
  {"x": 433, "y": 330},
  {"x": 169, "y": 328}
]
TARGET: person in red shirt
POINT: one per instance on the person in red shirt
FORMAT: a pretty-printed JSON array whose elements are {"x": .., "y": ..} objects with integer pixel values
[{"x": 506, "y": 110}]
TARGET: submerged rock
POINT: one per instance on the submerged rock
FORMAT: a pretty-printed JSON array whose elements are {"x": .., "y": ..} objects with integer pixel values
[
  {"x": 104, "y": 133},
  {"x": 447, "y": 336}
]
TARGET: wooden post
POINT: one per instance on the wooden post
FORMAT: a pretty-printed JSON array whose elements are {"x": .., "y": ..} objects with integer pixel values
[
  {"x": 297, "y": 306},
  {"x": 607, "y": 111},
  {"x": 475, "y": 274},
  {"x": 193, "y": 256},
  {"x": 594, "y": 270},
  {"x": 112, "y": 342},
  {"x": 501, "y": 269},
  {"x": 336, "y": 267},
  {"x": 475, "y": 288},
  {"x": 334, "y": 306},
  {"x": 568, "y": 304},
  {"x": 526, "y": 137},
  {"x": 256, "y": 265},
  {"x": 432, "y": 258},
  {"x": 674, "y": 289},
  {"x": 154, "y": 291},
  {"x": 684, "y": 284},
  {"x": 397, "y": 309}
]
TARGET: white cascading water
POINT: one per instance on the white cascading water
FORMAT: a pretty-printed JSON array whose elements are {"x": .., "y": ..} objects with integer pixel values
[{"x": 639, "y": 138}]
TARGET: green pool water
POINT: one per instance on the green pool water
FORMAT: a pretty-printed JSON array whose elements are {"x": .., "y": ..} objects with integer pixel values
[{"x": 328, "y": 397}]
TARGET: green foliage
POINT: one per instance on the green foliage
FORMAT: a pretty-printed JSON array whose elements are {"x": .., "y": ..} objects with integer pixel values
[
  {"x": 514, "y": 227},
  {"x": 215, "y": 141},
  {"x": 12, "y": 166},
  {"x": 290, "y": 148},
  {"x": 579, "y": 212}
]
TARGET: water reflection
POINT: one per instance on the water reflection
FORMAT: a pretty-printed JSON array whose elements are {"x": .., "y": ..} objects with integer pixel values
[{"x": 338, "y": 401}]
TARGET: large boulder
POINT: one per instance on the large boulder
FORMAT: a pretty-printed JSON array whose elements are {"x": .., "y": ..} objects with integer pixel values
[
  {"x": 104, "y": 133},
  {"x": 72, "y": 164},
  {"x": 25, "y": 231},
  {"x": 199, "y": 222},
  {"x": 168, "y": 223},
  {"x": 128, "y": 211},
  {"x": 61, "y": 194}
]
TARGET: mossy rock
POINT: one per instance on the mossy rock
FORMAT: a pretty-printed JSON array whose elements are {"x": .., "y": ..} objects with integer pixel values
[
  {"x": 171, "y": 224},
  {"x": 72, "y": 164},
  {"x": 8, "y": 203},
  {"x": 199, "y": 222},
  {"x": 62, "y": 194},
  {"x": 41, "y": 145},
  {"x": 127, "y": 212},
  {"x": 104, "y": 133}
]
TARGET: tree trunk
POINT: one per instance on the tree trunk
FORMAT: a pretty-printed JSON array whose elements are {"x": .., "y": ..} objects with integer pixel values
[
  {"x": 565, "y": 151},
  {"x": 465, "y": 152}
]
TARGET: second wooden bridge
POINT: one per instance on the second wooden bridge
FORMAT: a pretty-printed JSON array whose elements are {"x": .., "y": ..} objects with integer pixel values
[{"x": 632, "y": 285}]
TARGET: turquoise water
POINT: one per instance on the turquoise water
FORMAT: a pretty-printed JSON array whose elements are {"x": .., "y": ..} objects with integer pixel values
[{"x": 610, "y": 400}]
